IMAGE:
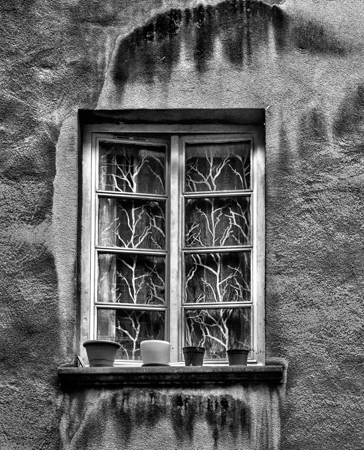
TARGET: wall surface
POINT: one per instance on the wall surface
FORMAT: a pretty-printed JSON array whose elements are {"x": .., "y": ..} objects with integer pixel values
[
  {"x": 228, "y": 418},
  {"x": 301, "y": 60}
]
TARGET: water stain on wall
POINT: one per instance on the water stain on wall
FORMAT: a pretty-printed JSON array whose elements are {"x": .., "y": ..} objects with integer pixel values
[
  {"x": 154, "y": 48},
  {"x": 226, "y": 414},
  {"x": 313, "y": 37},
  {"x": 246, "y": 417},
  {"x": 240, "y": 27},
  {"x": 154, "y": 44}
]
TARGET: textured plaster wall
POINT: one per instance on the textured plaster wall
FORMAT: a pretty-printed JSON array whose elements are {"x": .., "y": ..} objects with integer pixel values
[
  {"x": 303, "y": 61},
  {"x": 152, "y": 419}
]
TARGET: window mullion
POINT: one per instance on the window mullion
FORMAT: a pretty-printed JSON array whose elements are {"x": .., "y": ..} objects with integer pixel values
[{"x": 174, "y": 248}]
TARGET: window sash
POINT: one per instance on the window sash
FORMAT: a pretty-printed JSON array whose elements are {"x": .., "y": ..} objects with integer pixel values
[{"x": 185, "y": 250}]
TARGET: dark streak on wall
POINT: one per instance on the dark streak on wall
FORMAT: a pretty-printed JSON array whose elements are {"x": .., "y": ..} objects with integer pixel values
[
  {"x": 148, "y": 47},
  {"x": 156, "y": 45},
  {"x": 313, "y": 134},
  {"x": 284, "y": 162},
  {"x": 226, "y": 413},
  {"x": 183, "y": 417},
  {"x": 203, "y": 42},
  {"x": 242, "y": 27},
  {"x": 100, "y": 417}
]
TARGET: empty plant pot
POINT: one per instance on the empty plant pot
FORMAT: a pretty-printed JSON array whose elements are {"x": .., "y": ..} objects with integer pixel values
[
  {"x": 101, "y": 353},
  {"x": 155, "y": 353},
  {"x": 193, "y": 356},
  {"x": 238, "y": 357}
]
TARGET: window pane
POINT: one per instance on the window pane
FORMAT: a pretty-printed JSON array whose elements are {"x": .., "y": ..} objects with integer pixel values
[
  {"x": 138, "y": 279},
  {"x": 217, "y": 277},
  {"x": 128, "y": 167},
  {"x": 216, "y": 222},
  {"x": 130, "y": 328},
  {"x": 217, "y": 167},
  {"x": 130, "y": 223},
  {"x": 218, "y": 329}
]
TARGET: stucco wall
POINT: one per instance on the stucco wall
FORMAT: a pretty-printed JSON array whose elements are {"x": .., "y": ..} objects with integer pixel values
[
  {"x": 228, "y": 418},
  {"x": 302, "y": 60}
]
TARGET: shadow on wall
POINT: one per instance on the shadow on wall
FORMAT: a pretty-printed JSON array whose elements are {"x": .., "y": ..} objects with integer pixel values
[
  {"x": 241, "y": 27},
  {"x": 350, "y": 116}
]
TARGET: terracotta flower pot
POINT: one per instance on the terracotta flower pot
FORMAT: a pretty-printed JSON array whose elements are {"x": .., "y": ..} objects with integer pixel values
[
  {"x": 101, "y": 353},
  {"x": 238, "y": 357},
  {"x": 193, "y": 356},
  {"x": 155, "y": 353}
]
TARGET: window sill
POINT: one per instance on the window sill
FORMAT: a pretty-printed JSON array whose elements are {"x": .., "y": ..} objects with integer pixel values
[{"x": 171, "y": 376}]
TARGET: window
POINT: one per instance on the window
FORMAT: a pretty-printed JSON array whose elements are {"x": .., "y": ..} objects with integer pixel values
[{"x": 173, "y": 238}]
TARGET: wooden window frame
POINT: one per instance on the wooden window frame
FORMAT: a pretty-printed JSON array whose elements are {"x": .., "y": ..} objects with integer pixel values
[{"x": 178, "y": 135}]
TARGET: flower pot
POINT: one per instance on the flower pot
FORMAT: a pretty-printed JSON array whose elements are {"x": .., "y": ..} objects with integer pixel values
[
  {"x": 155, "y": 353},
  {"x": 101, "y": 353},
  {"x": 238, "y": 357},
  {"x": 193, "y": 356}
]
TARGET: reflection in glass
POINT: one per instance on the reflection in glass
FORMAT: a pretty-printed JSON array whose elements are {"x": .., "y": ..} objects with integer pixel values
[
  {"x": 131, "y": 223},
  {"x": 137, "y": 279},
  {"x": 129, "y": 328},
  {"x": 215, "y": 222},
  {"x": 129, "y": 167},
  {"x": 218, "y": 329},
  {"x": 217, "y": 277},
  {"x": 217, "y": 167}
]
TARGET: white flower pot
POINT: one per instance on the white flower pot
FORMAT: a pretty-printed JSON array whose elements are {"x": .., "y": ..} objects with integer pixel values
[{"x": 155, "y": 353}]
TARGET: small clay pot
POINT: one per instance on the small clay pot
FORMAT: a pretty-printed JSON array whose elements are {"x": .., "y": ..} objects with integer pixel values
[
  {"x": 238, "y": 357},
  {"x": 101, "y": 353},
  {"x": 193, "y": 356}
]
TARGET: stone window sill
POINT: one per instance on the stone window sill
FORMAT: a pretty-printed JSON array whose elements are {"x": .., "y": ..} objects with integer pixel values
[{"x": 171, "y": 376}]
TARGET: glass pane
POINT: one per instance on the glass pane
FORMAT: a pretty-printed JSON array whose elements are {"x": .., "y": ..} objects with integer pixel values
[
  {"x": 130, "y": 223},
  {"x": 217, "y": 277},
  {"x": 216, "y": 222},
  {"x": 128, "y": 167},
  {"x": 129, "y": 328},
  {"x": 217, "y": 167},
  {"x": 218, "y": 329},
  {"x": 138, "y": 279}
]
